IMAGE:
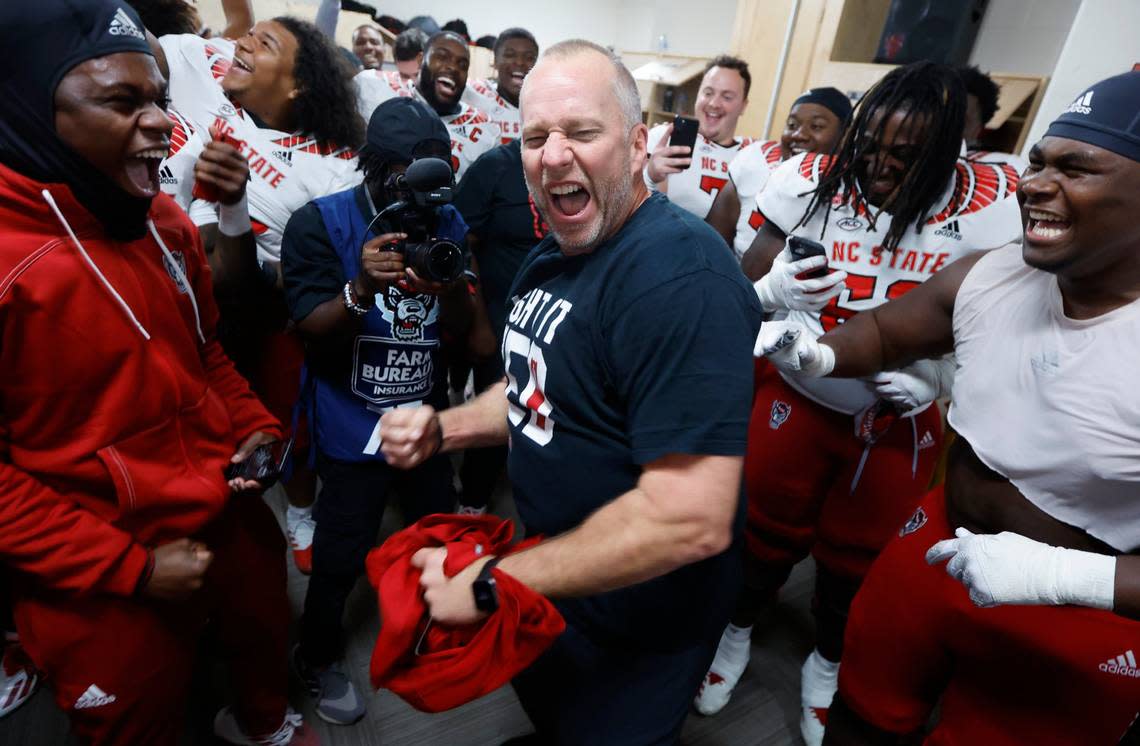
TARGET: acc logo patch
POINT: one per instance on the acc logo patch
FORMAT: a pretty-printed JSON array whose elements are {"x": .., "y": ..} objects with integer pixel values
[
  {"x": 850, "y": 224},
  {"x": 780, "y": 413},
  {"x": 917, "y": 521}
]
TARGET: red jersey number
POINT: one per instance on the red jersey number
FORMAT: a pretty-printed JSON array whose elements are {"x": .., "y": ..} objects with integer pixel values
[
  {"x": 859, "y": 287},
  {"x": 712, "y": 184}
]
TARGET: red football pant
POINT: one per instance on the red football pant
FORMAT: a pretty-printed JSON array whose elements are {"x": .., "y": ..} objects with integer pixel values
[
  {"x": 1040, "y": 675},
  {"x": 141, "y": 652},
  {"x": 799, "y": 471}
]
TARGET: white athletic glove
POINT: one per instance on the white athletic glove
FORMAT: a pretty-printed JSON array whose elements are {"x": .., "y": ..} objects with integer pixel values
[
  {"x": 792, "y": 348},
  {"x": 779, "y": 290},
  {"x": 918, "y": 383},
  {"x": 1008, "y": 568}
]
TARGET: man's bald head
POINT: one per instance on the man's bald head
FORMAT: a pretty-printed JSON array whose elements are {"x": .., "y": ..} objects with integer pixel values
[{"x": 625, "y": 87}]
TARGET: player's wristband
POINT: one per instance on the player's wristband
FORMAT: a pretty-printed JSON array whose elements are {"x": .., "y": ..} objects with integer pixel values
[
  {"x": 1086, "y": 579},
  {"x": 233, "y": 220}
]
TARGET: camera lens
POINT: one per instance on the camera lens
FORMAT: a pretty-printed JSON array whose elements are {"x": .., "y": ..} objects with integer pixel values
[{"x": 444, "y": 261}]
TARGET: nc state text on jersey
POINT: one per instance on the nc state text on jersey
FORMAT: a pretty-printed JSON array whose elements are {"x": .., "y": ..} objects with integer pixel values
[{"x": 258, "y": 164}]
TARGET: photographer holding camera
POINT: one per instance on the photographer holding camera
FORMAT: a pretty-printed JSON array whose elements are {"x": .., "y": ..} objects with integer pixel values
[{"x": 374, "y": 278}]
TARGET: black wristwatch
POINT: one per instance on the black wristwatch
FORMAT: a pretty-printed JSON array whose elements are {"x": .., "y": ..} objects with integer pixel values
[{"x": 485, "y": 590}]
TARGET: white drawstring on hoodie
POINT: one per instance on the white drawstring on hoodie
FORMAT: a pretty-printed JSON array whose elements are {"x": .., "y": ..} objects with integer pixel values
[
  {"x": 181, "y": 277},
  {"x": 107, "y": 283}
]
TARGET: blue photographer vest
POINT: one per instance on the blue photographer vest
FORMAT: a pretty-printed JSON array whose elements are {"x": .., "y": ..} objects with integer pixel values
[{"x": 396, "y": 358}]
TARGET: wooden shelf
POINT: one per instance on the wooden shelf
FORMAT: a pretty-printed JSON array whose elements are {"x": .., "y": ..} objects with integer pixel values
[{"x": 657, "y": 73}]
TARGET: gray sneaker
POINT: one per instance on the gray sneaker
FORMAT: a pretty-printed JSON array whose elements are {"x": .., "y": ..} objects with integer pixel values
[{"x": 338, "y": 701}]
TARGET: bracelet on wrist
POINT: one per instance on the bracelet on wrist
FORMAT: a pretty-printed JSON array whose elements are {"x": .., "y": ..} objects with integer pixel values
[{"x": 352, "y": 303}]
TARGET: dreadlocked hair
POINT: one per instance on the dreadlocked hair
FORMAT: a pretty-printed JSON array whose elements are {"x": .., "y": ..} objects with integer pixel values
[
  {"x": 325, "y": 109},
  {"x": 372, "y": 163},
  {"x": 926, "y": 92}
]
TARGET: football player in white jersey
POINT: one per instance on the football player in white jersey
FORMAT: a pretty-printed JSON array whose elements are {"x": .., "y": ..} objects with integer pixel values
[
  {"x": 515, "y": 53},
  {"x": 692, "y": 180},
  {"x": 368, "y": 46},
  {"x": 894, "y": 205},
  {"x": 281, "y": 94},
  {"x": 268, "y": 92},
  {"x": 1042, "y": 481},
  {"x": 815, "y": 122},
  {"x": 442, "y": 80},
  {"x": 981, "y": 105}
]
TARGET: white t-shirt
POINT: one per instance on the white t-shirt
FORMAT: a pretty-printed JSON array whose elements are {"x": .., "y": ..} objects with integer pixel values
[
  {"x": 472, "y": 132},
  {"x": 1050, "y": 402},
  {"x": 977, "y": 212},
  {"x": 749, "y": 172},
  {"x": 287, "y": 169},
  {"x": 695, "y": 188},
  {"x": 484, "y": 96}
]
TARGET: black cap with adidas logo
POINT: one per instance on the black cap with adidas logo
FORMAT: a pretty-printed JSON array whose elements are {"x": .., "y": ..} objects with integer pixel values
[{"x": 1106, "y": 115}]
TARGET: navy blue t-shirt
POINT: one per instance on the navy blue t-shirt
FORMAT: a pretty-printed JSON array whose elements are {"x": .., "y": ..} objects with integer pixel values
[{"x": 616, "y": 358}]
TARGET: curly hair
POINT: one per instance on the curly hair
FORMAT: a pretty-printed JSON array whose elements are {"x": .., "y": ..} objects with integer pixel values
[
  {"x": 326, "y": 106},
  {"x": 162, "y": 17},
  {"x": 982, "y": 87}
]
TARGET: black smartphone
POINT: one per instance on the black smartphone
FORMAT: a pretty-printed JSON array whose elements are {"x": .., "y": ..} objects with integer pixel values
[
  {"x": 803, "y": 248},
  {"x": 685, "y": 133},
  {"x": 264, "y": 465}
]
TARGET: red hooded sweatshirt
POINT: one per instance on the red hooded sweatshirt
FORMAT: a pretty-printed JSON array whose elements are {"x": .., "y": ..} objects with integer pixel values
[
  {"x": 435, "y": 668},
  {"x": 118, "y": 409}
]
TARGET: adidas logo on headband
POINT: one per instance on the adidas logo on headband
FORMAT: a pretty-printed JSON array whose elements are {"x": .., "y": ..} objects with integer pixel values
[
  {"x": 1083, "y": 104},
  {"x": 122, "y": 25}
]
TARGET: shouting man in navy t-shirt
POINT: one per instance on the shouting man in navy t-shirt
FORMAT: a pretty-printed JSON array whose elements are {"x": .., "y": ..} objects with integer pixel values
[{"x": 629, "y": 379}]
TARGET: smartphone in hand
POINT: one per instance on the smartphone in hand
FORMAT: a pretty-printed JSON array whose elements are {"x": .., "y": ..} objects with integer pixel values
[
  {"x": 803, "y": 248},
  {"x": 264, "y": 465},
  {"x": 684, "y": 132}
]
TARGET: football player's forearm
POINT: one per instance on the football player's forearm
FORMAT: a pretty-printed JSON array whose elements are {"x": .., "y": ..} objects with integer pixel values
[
  {"x": 1126, "y": 596},
  {"x": 478, "y": 423},
  {"x": 858, "y": 347},
  {"x": 233, "y": 260}
]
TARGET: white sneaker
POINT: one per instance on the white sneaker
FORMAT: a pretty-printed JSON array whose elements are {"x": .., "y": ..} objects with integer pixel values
[
  {"x": 293, "y": 731},
  {"x": 18, "y": 676},
  {"x": 819, "y": 680},
  {"x": 727, "y": 667},
  {"x": 299, "y": 529}
]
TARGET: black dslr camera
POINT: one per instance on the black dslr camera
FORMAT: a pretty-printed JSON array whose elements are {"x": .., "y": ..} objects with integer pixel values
[{"x": 419, "y": 192}]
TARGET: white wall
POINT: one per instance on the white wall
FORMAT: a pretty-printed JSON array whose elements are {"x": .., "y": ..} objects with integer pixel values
[
  {"x": 1018, "y": 36},
  {"x": 633, "y": 25},
  {"x": 1102, "y": 43}
]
